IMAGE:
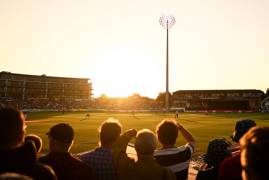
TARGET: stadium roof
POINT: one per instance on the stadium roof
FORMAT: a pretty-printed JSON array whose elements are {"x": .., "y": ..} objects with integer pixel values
[
  {"x": 43, "y": 75},
  {"x": 220, "y": 91}
]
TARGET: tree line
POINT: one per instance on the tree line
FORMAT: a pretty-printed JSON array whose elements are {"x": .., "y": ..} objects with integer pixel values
[{"x": 133, "y": 102}]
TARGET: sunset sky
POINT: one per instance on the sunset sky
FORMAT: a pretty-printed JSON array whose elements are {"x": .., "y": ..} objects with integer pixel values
[{"x": 120, "y": 45}]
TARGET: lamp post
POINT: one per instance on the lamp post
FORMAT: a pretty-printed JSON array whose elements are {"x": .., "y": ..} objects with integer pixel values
[{"x": 167, "y": 21}]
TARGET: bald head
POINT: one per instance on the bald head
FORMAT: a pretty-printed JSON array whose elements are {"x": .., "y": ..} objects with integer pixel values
[{"x": 146, "y": 142}]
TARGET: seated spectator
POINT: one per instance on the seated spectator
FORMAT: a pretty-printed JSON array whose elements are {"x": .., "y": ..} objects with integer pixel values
[
  {"x": 145, "y": 168},
  {"x": 2, "y": 105},
  {"x": 59, "y": 158},
  {"x": 254, "y": 156},
  {"x": 14, "y": 176},
  {"x": 175, "y": 158},
  {"x": 37, "y": 141},
  {"x": 230, "y": 168},
  {"x": 241, "y": 127},
  {"x": 217, "y": 151},
  {"x": 101, "y": 159},
  {"x": 15, "y": 155}
]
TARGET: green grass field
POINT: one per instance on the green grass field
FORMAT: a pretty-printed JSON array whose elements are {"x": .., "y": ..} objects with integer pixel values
[{"x": 202, "y": 126}]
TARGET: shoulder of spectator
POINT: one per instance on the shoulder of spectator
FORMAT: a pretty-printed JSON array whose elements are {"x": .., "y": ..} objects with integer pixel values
[
  {"x": 48, "y": 168},
  {"x": 169, "y": 175},
  {"x": 82, "y": 155},
  {"x": 43, "y": 157},
  {"x": 191, "y": 145},
  {"x": 222, "y": 167},
  {"x": 44, "y": 171}
]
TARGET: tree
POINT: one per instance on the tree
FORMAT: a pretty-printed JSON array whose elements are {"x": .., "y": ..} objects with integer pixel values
[
  {"x": 102, "y": 102},
  {"x": 161, "y": 99}
]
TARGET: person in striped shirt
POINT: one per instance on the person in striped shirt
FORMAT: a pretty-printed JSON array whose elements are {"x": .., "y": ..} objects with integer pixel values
[{"x": 175, "y": 158}]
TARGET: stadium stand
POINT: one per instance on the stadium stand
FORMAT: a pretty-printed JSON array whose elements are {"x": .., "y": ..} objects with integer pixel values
[
  {"x": 44, "y": 92},
  {"x": 265, "y": 104},
  {"x": 219, "y": 100}
]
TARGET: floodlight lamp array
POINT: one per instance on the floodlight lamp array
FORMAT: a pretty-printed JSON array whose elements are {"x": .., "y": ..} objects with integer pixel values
[{"x": 167, "y": 21}]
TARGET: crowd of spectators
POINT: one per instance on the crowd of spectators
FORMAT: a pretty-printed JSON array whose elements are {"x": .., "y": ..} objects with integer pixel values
[
  {"x": 47, "y": 103},
  {"x": 20, "y": 154}
]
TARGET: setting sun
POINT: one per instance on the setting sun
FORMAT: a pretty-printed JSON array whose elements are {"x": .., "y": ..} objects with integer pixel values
[{"x": 120, "y": 72}]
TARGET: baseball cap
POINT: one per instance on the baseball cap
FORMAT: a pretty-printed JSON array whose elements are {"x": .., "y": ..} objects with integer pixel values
[
  {"x": 241, "y": 127},
  {"x": 62, "y": 132}
]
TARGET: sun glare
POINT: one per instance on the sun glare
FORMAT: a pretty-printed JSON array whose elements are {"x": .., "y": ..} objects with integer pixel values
[{"x": 121, "y": 72}]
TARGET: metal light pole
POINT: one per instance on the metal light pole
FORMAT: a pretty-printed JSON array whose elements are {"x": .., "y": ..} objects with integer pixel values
[{"x": 167, "y": 21}]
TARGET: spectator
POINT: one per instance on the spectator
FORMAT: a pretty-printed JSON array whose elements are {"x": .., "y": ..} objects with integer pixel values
[
  {"x": 175, "y": 158},
  {"x": 230, "y": 168},
  {"x": 59, "y": 158},
  {"x": 37, "y": 141},
  {"x": 14, "y": 176},
  {"x": 145, "y": 168},
  {"x": 217, "y": 151},
  {"x": 241, "y": 127},
  {"x": 101, "y": 159},
  {"x": 254, "y": 156},
  {"x": 15, "y": 155}
]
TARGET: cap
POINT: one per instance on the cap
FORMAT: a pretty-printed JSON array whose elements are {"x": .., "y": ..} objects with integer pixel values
[
  {"x": 241, "y": 127},
  {"x": 62, "y": 132}
]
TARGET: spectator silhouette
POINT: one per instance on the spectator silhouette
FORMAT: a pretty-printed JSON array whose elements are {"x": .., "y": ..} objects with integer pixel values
[
  {"x": 36, "y": 140},
  {"x": 230, "y": 168},
  {"x": 175, "y": 158},
  {"x": 145, "y": 168},
  {"x": 17, "y": 156},
  {"x": 101, "y": 159},
  {"x": 217, "y": 151},
  {"x": 14, "y": 176},
  {"x": 60, "y": 159},
  {"x": 254, "y": 156}
]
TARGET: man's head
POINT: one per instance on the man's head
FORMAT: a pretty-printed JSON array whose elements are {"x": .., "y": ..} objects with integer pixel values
[
  {"x": 217, "y": 151},
  {"x": 241, "y": 127},
  {"x": 146, "y": 142},
  {"x": 109, "y": 131},
  {"x": 167, "y": 132},
  {"x": 254, "y": 153},
  {"x": 12, "y": 128},
  {"x": 61, "y": 137}
]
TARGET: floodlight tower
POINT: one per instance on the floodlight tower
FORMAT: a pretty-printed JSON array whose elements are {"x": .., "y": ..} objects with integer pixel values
[{"x": 167, "y": 21}]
